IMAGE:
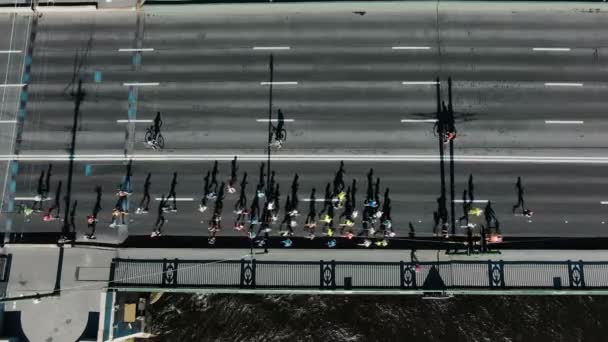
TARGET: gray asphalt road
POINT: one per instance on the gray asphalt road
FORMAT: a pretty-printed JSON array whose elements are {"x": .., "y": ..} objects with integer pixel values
[{"x": 349, "y": 99}]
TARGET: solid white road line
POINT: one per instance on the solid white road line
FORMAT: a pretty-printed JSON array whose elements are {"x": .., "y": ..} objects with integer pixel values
[
  {"x": 474, "y": 201},
  {"x": 136, "y": 50},
  {"x": 6, "y": 85},
  {"x": 306, "y": 158},
  {"x": 272, "y": 48},
  {"x": 8, "y": 121},
  {"x": 550, "y": 49},
  {"x": 127, "y": 84},
  {"x": 134, "y": 121},
  {"x": 563, "y": 84},
  {"x": 10, "y": 51},
  {"x": 418, "y": 120},
  {"x": 565, "y": 122},
  {"x": 419, "y": 82},
  {"x": 274, "y": 120},
  {"x": 278, "y": 83},
  {"x": 411, "y": 47},
  {"x": 184, "y": 199}
]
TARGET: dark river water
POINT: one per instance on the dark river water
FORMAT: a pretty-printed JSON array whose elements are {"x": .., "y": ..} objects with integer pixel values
[{"x": 186, "y": 317}]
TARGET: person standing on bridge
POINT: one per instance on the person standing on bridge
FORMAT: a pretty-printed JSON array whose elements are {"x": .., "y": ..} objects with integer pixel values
[
  {"x": 172, "y": 193},
  {"x": 160, "y": 217},
  {"x": 144, "y": 204}
]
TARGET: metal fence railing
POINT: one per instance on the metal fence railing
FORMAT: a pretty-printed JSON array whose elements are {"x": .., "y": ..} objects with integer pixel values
[{"x": 431, "y": 276}]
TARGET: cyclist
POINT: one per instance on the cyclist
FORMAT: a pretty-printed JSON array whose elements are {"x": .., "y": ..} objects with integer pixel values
[
  {"x": 279, "y": 131},
  {"x": 152, "y": 138}
]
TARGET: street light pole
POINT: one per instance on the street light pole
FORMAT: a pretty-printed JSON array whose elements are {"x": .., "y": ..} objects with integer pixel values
[
  {"x": 441, "y": 129},
  {"x": 79, "y": 96}
]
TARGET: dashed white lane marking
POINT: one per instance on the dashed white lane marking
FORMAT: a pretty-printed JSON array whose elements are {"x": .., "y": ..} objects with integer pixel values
[
  {"x": 419, "y": 82},
  {"x": 278, "y": 83},
  {"x": 565, "y": 122},
  {"x": 411, "y": 47},
  {"x": 418, "y": 120},
  {"x": 10, "y": 51},
  {"x": 474, "y": 201},
  {"x": 563, "y": 84},
  {"x": 183, "y": 199},
  {"x": 29, "y": 198},
  {"x": 6, "y": 85},
  {"x": 136, "y": 50},
  {"x": 316, "y": 200},
  {"x": 134, "y": 121},
  {"x": 604, "y": 202},
  {"x": 143, "y": 84},
  {"x": 550, "y": 49},
  {"x": 8, "y": 121},
  {"x": 274, "y": 120},
  {"x": 272, "y": 48}
]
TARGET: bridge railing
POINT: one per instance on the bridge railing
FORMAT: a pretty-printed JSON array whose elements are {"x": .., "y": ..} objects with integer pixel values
[{"x": 329, "y": 275}]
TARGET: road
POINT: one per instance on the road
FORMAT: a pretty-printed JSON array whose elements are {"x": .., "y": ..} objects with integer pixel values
[{"x": 353, "y": 83}]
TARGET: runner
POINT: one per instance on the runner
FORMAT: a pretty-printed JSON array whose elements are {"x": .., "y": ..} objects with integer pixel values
[
  {"x": 520, "y": 197},
  {"x": 286, "y": 219},
  {"x": 214, "y": 173},
  {"x": 144, "y": 204},
  {"x": 386, "y": 222},
  {"x": 233, "y": 178},
  {"x": 466, "y": 207},
  {"x": 327, "y": 199},
  {"x": 92, "y": 219},
  {"x": 206, "y": 194},
  {"x": 172, "y": 194},
  {"x": 40, "y": 193},
  {"x": 160, "y": 217},
  {"x": 55, "y": 207},
  {"x": 294, "y": 197},
  {"x": 124, "y": 188},
  {"x": 260, "y": 189}
]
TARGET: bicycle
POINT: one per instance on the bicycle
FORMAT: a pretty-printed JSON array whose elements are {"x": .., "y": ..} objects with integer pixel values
[
  {"x": 279, "y": 136},
  {"x": 154, "y": 139}
]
